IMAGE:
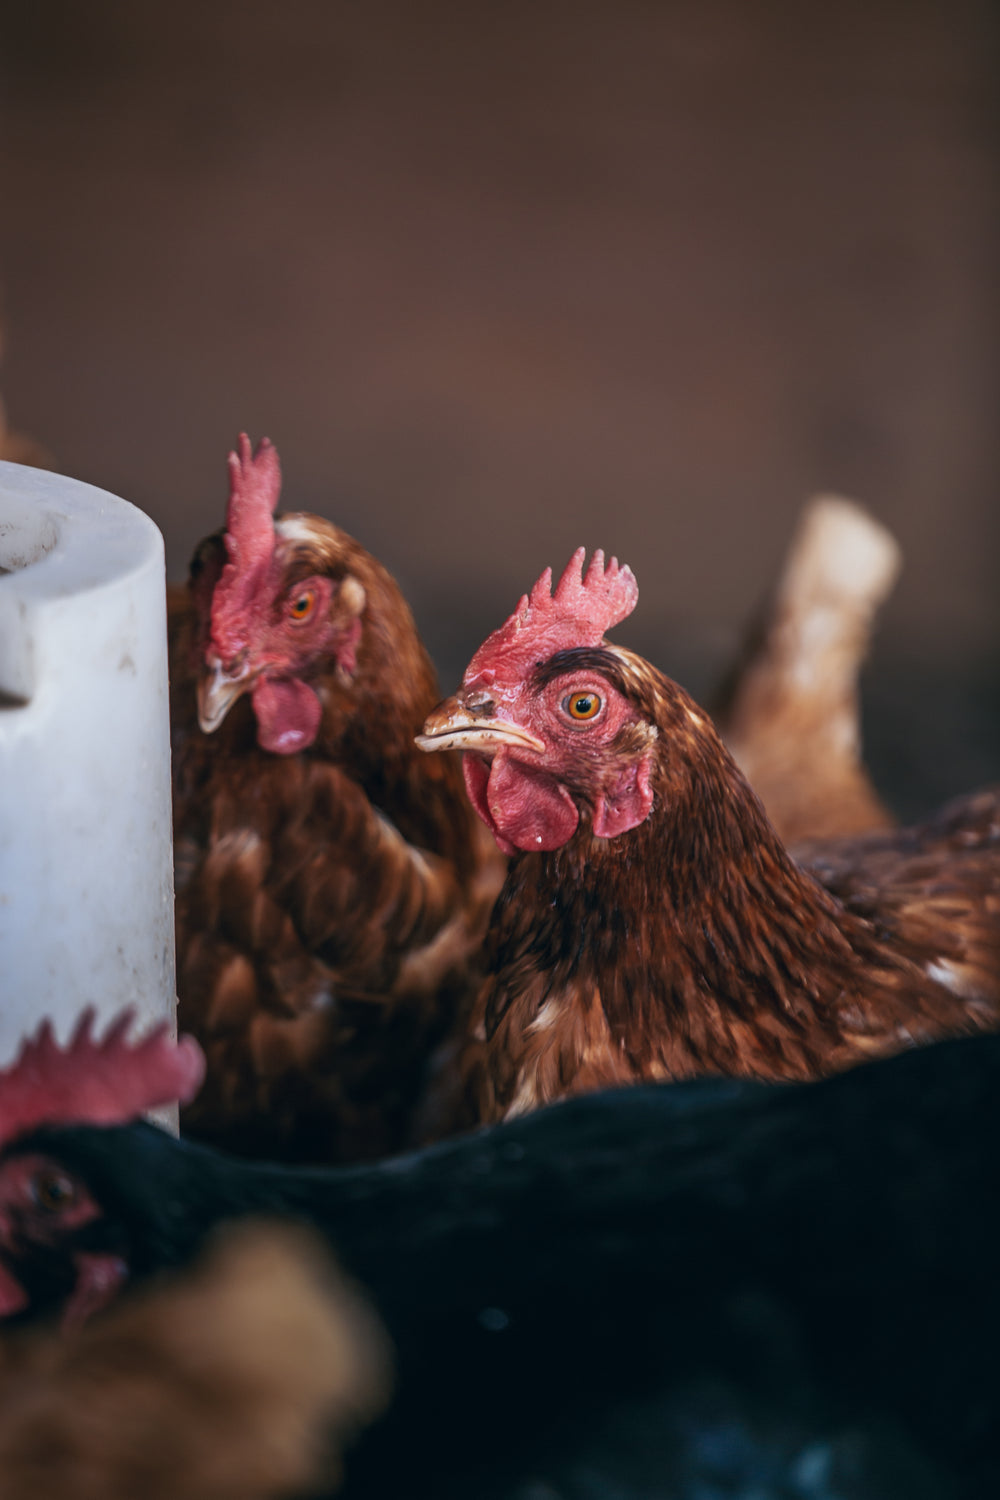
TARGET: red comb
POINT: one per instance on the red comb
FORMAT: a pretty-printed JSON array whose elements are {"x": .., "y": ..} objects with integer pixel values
[
  {"x": 578, "y": 612},
  {"x": 254, "y": 491},
  {"x": 96, "y": 1082}
]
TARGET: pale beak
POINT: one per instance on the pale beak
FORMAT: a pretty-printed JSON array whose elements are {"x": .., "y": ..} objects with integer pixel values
[
  {"x": 218, "y": 690},
  {"x": 452, "y": 727}
]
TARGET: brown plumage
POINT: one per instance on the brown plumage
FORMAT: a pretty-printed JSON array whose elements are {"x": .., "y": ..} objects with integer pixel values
[
  {"x": 333, "y": 884},
  {"x": 791, "y": 714},
  {"x": 240, "y": 1379},
  {"x": 662, "y": 930}
]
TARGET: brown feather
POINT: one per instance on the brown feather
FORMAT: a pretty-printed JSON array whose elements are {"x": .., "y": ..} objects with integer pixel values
[
  {"x": 331, "y": 904},
  {"x": 241, "y": 1379}
]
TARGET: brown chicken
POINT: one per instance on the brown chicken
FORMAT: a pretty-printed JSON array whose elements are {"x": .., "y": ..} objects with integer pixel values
[
  {"x": 333, "y": 884},
  {"x": 238, "y": 1380},
  {"x": 652, "y": 924},
  {"x": 791, "y": 714}
]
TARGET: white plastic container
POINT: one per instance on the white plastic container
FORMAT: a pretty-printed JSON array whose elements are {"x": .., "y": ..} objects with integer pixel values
[{"x": 86, "y": 877}]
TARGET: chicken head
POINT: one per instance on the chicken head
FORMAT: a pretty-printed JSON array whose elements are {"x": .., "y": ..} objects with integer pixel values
[
  {"x": 544, "y": 718},
  {"x": 45, "y": 1256},
  {"x": 268, "y": 616}
]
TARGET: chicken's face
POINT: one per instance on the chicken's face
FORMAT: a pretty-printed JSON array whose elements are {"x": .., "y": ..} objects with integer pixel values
[
  {"x": 550, "y": 734},
  {"x": 274, "y": 609},
  {"x": 43, "y": 1267},
  {"x": 539, "y": 752}
]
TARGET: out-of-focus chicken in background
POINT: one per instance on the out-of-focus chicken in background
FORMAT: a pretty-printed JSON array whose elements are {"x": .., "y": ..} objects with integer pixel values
[
  {"x": 333, "y": 883},
  {"x": 791, "y": 711},
  {"x": 239, "y": 1379},
  {"x": 653, "y": 924}
]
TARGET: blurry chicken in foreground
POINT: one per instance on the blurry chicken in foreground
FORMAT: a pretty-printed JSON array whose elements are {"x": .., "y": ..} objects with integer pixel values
[
  {"x": 236, "y": 1380},
  {"x": 683, "y": 1291},
  {"x": 333, "y": 884},
  {"x": 791, "y": 713},
  {"x": 652, "y": 924}
]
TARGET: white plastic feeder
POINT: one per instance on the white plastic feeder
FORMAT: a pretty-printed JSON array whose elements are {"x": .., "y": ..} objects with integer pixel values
[{"x": 86, "y": 878}]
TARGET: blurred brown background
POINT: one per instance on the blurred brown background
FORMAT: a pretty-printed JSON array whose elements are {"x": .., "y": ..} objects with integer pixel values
[{"x": 501, "y": 279}]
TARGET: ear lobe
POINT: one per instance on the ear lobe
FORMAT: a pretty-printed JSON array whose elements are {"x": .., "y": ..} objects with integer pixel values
[
  {"x": 346, "y": 652},
  {"x": 626, "y": 803},
  {"x": 352, "y": 598}
]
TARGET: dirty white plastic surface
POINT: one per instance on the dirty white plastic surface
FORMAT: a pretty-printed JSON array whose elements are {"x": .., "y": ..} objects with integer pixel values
[{"x": 86, "y": 881}]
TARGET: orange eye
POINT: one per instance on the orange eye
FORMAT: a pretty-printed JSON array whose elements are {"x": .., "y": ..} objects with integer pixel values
[
  {"x": 302, "y": 605},
  {"x": 52, "y": 1191},
  {"x": 582, "y": 706}
]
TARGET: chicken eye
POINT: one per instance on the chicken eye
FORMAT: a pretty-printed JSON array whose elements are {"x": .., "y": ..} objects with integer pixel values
[
  {"x": 52, "y": 1191},
  {"x": 582, "y": 706},
  {"x": 302, "y": 605}
]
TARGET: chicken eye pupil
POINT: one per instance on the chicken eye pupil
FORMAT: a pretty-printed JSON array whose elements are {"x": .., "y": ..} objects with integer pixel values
[
  {"x": 302, "y": 606},
  {"x": 583, "y": 705},
  {"x": 50, "y": 1190}
]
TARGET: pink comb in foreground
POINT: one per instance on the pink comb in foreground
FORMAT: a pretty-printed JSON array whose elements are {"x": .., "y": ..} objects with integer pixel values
[
  {"x": 254, "y": 491},
  {"x": 577, "y": 613},
  {"x": 109, "y": 1081}
]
